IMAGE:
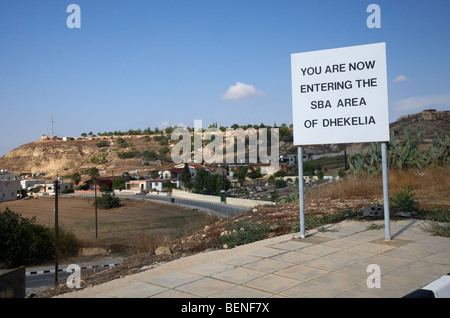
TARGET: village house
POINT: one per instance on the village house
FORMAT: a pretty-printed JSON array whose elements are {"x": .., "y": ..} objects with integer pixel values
[
  {"x": 9, "y": 187},
  {"x": 149, "y": 185},
  {"x": 138, "y": 185},
  {"x": 49, "y": 188},
  {"x": 101, "y": 181},
  {"x": 29, "y": 184}
]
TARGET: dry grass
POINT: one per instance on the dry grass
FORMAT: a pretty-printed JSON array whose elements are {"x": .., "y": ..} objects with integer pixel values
[
  {"x": 431, "y": 186},
  {"x": 148, "y": 242}
]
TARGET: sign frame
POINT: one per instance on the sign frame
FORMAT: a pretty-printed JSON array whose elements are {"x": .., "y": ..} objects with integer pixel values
[{"x": 327, "y": 82}]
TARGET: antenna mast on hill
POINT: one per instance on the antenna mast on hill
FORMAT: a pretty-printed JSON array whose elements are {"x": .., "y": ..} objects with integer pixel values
[{"x": 52, "y": 126}]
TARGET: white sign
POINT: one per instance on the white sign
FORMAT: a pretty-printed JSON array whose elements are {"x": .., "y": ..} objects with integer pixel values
[{"x": 340, "y": 95}]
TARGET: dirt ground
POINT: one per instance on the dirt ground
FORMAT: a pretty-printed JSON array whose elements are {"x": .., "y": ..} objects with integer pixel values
[{"x": 117, "y": 228}]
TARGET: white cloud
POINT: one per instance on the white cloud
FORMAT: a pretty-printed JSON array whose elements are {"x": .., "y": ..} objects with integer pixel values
[
  {"x": 240, "y": 91},
  {"x": 439, "y": 102},
  {"x": 163, "y": 125},
  {"x": 400, "y": 78},
  {"x": 166, "y": 124}
]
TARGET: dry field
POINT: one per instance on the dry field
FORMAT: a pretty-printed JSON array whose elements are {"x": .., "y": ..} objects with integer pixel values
[{"x": 118, "y": 228}]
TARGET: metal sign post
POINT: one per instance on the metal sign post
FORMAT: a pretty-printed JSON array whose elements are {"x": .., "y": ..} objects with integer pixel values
[
  {"x": 387, "y": 226},
  {"x": 301, "y": 191}
]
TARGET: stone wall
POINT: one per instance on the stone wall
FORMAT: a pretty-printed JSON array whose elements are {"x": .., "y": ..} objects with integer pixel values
[{"x": 12, "y": 283}]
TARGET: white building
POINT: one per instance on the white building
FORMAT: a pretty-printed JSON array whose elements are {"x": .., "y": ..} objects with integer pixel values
[
  {"x": 49, "y": 188},
  {"x": 9, "y": 187},
  {"x": 31, "y": 183}
]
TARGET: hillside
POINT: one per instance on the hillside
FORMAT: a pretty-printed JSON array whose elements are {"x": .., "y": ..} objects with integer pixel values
[{"x": 56, "y": 156}]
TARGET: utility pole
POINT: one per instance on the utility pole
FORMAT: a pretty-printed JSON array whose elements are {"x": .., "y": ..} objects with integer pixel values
[
  {"x": 96, "y": 227},
  {"x": 56, "y": 231}
]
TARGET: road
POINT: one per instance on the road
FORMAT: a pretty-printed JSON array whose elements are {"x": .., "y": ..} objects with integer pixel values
[
  {"x": 219, "y": 209},
  {"x": 42, "y": 278}
]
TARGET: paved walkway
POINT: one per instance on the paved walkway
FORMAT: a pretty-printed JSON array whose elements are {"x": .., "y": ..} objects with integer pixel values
[{"x": 330, "y": 263}]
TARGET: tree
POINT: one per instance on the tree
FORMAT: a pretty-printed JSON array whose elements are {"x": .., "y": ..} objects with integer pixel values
[
  {"x": 186, "y": 174},
  {"x": 280, "y": 174},
  {"x": 107, "y": 201},
  {"x": 206, "y": 183},
  {"x": 93, "y": 173},
  {"x": 75, "y": 177},
  {"x": 168, "y": 185},
  {"x": 255, "y": 173},
  {"x": 154, "y": 174},
  {"x": 119, "y": 183},
  {"x": 23, "y": 242},
  {"x": 240, "y": 174}
]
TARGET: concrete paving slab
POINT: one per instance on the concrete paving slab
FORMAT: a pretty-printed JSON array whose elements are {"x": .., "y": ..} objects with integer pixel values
[
  {"x": 272, "y": 283},
  {"x": 329, "y": 263},
  {"x": 208, "y": 269},
  {"x": 324, "y": 264},
  {"x": 302, "y": 272},
  {"x": 311, "y": 290},
  {"x": 407, "y": 252},
  {"x": 238, "y": 275},
  {"x": 387, "y": 290},
  {"x": 295, "y": 257},
  {"x": 242, "y": 292},
  {"x": 291, "y": 245},
  {"x": 174, "y": 279},
  {"x": 341, "y": 280},
  {"x": 439, "y": 257},
  {"x": 386, "y": 263},
  {"x": 205, "y": 287},
  {"x": 267, "y": 265},
  {"x": 265, "y": 252},
  {"x": 409, "y": 275},
  {"x": 239, "y": 260},
  {"x": 320, "y": 249},
  {"x": 373, "y": 248},
  {"x": 137, "y": 290},
  {"x": 172, "y": 293}
]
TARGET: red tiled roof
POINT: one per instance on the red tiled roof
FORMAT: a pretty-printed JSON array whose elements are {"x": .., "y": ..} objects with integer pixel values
[{"x": 176, "y": 170}]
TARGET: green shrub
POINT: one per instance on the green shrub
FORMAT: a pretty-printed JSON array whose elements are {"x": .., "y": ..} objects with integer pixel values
[
  {"x": 107, "y": 201},
  {"x": 127, "y": 154},
  {"x": 404, "y": 200},
  {"x": 105, "y": 188},
  {"x": 244, "y": 233},
  {"x": 23, "y": 242},
  {"x": 103, "y": 143}
]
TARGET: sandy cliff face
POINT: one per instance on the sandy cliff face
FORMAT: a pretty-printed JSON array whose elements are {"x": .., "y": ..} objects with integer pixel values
[{"x": 58, "y": 157}]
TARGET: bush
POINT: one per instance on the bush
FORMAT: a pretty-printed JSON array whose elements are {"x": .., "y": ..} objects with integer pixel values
[
  {"x": 23, "y": 242},
  {"x": 107, "y": 201},
  {"x": 103, "y": 143},
  {"x": 127, "y": 154},
  {"x": 105, "y": 188},
  {"x": 280, "y": 183},
  {"x": 67, "y": 191},
  {"x": 404, "y": 200},
  {"x": 244, "y": 233}
]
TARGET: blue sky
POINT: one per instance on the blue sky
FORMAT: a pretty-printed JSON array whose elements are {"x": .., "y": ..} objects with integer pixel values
[{"x": 145, "y": 63}]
